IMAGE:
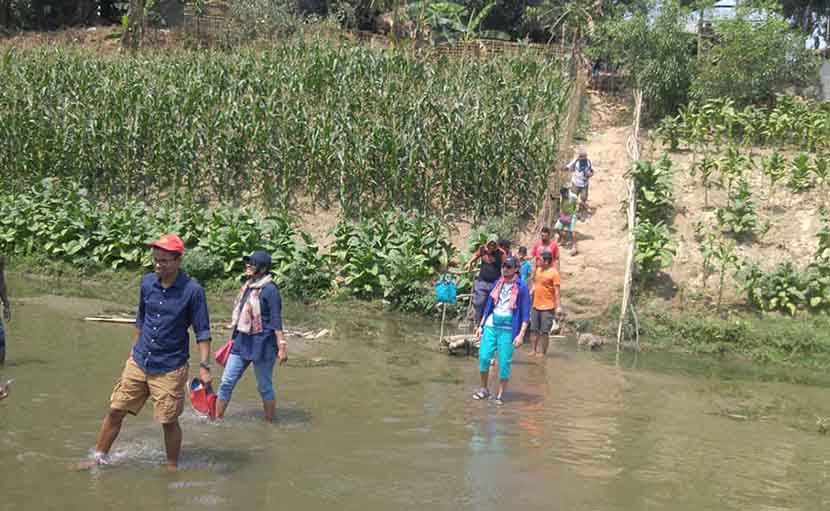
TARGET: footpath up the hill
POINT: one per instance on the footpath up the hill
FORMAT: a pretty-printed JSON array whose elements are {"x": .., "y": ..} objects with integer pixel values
[{"x": 592, "y": 279}]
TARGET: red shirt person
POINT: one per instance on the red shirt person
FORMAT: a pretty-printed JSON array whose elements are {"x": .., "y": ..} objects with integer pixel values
[{"x": 545, "y": 242}]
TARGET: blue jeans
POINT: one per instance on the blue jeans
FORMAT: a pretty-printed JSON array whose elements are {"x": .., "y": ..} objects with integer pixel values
[{"x": 235, "y": 367}]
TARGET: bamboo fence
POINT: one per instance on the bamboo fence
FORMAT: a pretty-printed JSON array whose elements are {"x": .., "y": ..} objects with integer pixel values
[
  {"x": 634, "y": 154},
  {"x": 214, "y": 24}
]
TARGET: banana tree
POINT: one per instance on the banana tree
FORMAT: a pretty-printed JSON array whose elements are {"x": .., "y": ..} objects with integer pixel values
[
  {"x": 447, "y": 19},
  {"x": 134, "y": 33}
]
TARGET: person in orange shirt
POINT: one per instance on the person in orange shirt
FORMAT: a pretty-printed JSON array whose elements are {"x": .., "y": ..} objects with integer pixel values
[{"x": 546, "y": 304}]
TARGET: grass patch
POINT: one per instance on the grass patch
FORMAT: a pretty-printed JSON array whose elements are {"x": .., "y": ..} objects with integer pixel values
[{"x": 762, "y": 338}]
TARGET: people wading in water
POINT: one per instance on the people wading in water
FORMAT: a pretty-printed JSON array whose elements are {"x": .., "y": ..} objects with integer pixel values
[
  {"x": 169, "y": 303},
  {"x": 502, "y": 327},
  {"x": 257, "y": 335},
  {"x": 491, "y": 259},
  {"x": 546, "y": 303}
]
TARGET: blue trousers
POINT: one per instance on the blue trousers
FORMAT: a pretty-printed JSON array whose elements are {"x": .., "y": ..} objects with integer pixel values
[
  {"x": 235, "y": 368},
  {"x": 492, "y": 337}
]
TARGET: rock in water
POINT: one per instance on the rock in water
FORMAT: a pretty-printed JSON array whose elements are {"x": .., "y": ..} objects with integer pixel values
[{"x": 590, "y": 341}]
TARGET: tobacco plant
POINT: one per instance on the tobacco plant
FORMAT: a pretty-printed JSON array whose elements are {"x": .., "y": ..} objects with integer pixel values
[
  {"x": 731, "y": 166},
  {"x": 705, "y": 168},
  {"x": 738, "y": 215},
  {"x": 653, "y": 250},
  {"x": 800, "y": 170},
  {"x": 774, "y": 168}
]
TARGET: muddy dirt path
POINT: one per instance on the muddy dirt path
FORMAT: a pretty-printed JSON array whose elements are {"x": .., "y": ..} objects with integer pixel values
[{"x": 592, "y": 279}]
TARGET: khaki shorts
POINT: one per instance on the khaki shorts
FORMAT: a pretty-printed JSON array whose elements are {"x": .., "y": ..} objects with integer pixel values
[{"x": 135, "y": 386}]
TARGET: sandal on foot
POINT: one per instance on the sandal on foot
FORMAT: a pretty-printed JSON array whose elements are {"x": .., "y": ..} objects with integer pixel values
[
  {"x": 481, "y": 394},
  {"x": 498, "y": 400}
]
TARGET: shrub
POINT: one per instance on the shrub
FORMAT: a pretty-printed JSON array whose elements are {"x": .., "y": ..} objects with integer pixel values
[
  {"x": 203, "y": 265},
  {"x": 756, "y": 55}
]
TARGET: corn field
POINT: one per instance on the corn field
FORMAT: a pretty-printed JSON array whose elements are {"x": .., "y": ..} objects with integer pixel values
[{"x": 333, "y": 125}]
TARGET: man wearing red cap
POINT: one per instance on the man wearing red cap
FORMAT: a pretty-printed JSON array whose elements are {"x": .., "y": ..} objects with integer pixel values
[{"x": 170, "y": 302}]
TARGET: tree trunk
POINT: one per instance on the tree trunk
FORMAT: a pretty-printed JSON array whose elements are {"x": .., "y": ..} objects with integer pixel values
[
  {"x": 6, "y": 13},
  {"x": 135, "y": 26},
  {"x": 86, "y": 12}
]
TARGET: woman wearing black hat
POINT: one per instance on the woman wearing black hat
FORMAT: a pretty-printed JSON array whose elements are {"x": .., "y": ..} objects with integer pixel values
[{"x": 257, "y": 335}]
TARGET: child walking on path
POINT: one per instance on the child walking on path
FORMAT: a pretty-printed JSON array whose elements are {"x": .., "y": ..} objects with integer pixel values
[{"x": 502, "y": 327}]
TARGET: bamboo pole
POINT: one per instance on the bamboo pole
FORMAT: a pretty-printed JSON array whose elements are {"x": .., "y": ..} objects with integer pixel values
[
  {"x": 443, "y": 317},
  {"x": 634, "y": 154},
  {"x": 579, "y": 80}
]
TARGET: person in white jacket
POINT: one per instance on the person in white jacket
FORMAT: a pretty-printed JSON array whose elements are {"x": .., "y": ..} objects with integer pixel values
[{"x": 582, "y": 170}]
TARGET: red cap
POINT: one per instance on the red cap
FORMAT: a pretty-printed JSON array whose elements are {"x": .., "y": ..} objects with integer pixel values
[{"x": 170, "y": 243}]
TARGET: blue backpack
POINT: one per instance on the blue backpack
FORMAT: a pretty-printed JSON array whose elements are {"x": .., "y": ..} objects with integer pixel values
[{"x": 445, "y": 290}]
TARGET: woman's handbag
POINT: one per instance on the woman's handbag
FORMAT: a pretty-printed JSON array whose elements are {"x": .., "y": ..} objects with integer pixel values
[
  {"x": 445, "y": 290},
  {"x": 221, "y": 355}
]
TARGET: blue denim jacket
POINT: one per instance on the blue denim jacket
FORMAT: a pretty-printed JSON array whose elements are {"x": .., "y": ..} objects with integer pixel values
[
  {"x": 521, "y": 314},
  {"x": 261, "y": 346},
  {"x": 163, "y": 317}
]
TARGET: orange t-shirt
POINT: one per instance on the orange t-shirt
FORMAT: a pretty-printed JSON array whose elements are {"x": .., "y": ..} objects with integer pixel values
[{"x": 544, "y": 289}]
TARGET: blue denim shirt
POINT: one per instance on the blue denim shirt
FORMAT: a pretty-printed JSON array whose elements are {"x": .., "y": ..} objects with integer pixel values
[
  {"x": 163, "y": 317},
  {"x": 261, "y": 346},
  {"x": 521, "y": 314}
]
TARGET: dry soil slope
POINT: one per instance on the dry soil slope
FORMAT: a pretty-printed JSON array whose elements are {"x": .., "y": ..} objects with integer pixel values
[{"x": 592, "y": 279}]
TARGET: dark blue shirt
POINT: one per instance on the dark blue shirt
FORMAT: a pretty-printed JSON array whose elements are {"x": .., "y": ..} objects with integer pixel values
[
  {"x": 261, "y": 346},
  {"x": 164, "y": 315}
]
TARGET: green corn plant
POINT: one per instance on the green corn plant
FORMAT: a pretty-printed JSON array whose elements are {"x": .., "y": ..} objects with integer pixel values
[{"x": 306, "y": 120}]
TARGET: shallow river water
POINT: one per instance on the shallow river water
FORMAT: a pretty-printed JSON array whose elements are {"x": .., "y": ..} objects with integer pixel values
[{"x": 371, "y": 419}]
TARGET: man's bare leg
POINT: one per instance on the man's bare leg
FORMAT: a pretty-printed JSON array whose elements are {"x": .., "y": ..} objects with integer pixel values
[
  {"x": 534, "y": 339},
  {"x": 109, "y": 431},
  {"x": 544, "y": 341},
  {"x": 106, "y": 437},
  {"x": 172, "y": 444}
]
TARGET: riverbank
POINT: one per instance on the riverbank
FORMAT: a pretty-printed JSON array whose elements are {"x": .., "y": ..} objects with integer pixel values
[
  {"x": 738, "y": 334},
  {"x": 779, "y": 348}
]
